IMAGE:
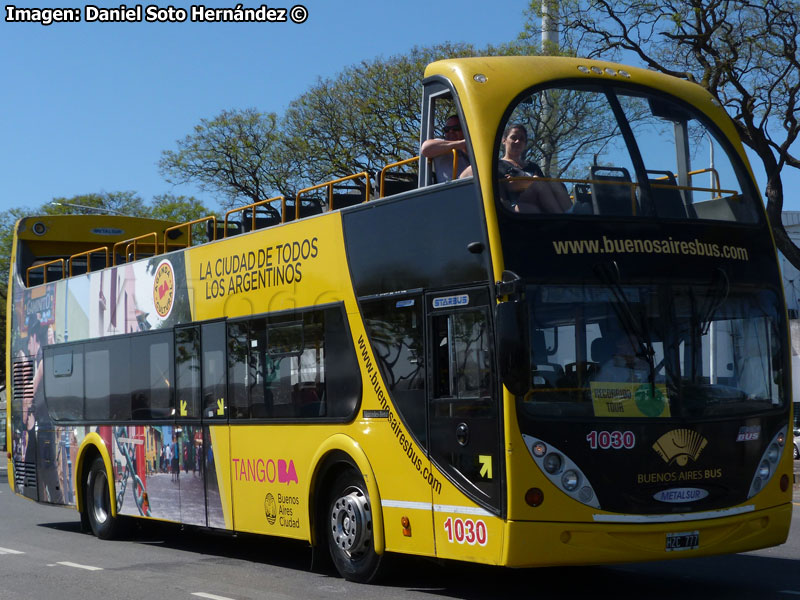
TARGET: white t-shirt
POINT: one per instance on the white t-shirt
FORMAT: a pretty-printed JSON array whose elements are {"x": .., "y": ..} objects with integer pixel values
[{"x": 443, "y": 166}]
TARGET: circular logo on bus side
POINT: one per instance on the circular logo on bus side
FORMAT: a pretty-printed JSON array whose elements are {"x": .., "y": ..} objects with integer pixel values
[
  {"x": 270, "y": 509},
  {"x": 164, "y": 288}
]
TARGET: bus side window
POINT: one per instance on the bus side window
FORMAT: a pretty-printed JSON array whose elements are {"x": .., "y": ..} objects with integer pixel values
[
  {"x": 187, "y": 371},
  {"x": 238, "y": 384},
  {"x": 214, "y": 381},
  {"x": 63, "y": 382},
  {"x": 151, "y": 387},
  {"x": 395, "y": 328},
  {"x": 299, "y": 366},
  {"x": 106, "y": 380}
]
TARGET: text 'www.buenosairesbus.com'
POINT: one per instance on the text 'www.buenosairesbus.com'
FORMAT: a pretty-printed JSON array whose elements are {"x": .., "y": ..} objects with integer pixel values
[
  {"x": 153, "y": 13},
  {"x": 607, "y": 245}
]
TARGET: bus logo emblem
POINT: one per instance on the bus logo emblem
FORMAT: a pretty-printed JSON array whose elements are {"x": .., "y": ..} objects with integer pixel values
[
  {"x": 679, "y": 445},
  {"x": 270, "y": 509},
  {"x": 164, "y": 288},
  {"x": 446, "y": 301}
]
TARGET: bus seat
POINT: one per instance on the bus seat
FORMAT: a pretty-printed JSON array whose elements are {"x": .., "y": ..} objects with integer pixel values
[
  {"x": 266, "y": 216},
  {"x": 543, "y": 371},
  {"x": 306, "y": 401},
  {"x": 234, "y": 228},
  {"x": 582, "y": 200},
  {"x": 345, "y": 200},
  {"x": 308, "y": 207},
  {"x": 602, "y": 350},
  {"x": 611, "y": 190},
  {"x": 667, "y": 198},
  {"x": 396, "y": 183}
]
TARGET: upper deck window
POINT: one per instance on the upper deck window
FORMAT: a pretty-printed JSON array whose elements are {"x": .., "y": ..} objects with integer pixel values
[{"x": 617, "y": 152}]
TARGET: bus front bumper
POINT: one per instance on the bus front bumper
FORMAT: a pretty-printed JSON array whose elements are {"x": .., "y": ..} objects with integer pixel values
[{"x": 532, "y": 544}]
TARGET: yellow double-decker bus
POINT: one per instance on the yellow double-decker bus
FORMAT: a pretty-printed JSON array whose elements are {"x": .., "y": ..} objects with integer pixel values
[{"x": 575, "y": 351}]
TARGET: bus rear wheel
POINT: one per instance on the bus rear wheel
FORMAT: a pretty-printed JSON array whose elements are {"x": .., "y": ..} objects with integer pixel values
[
  {"x": 98, "y": 503},
  {"x": 349, "y": 529}
]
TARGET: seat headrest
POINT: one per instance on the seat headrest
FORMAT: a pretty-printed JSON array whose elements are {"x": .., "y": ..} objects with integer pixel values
[{"x": 602, "y": 349}]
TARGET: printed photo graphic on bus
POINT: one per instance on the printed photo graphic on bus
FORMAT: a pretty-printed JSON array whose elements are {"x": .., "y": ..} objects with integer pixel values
[{"x": 165, "y": 472}]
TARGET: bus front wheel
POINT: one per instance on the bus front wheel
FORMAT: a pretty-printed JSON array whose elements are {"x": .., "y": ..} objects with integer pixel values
[
  {"x": 98, "y": 504},
  {"x": 349, "y": 529}
]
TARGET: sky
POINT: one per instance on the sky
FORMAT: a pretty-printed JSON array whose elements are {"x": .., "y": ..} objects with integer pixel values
[{"x": 89, "y": 107}]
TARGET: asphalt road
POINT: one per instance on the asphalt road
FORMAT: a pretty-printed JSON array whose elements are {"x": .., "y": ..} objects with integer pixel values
[{"x": 44, "y": 555}]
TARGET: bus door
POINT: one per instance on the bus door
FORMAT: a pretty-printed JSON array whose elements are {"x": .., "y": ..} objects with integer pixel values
[
  {"x": 200, "y": 385},
  {"x": 463, "y": 410},
  {"x": 216, "y": 441}
]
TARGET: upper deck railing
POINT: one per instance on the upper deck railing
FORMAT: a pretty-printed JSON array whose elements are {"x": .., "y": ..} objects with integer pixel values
[
  {"x": 265, "y": 213},
  {"x": 290, "y": 209}
]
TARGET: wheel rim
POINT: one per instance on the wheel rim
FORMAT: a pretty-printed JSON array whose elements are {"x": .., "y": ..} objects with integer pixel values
[
  {"x": 100, "y": 497},
  {"x": 351, "y": 522}
]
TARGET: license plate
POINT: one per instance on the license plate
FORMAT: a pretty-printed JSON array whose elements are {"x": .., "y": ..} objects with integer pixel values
[{"x": 688, "y": 540}]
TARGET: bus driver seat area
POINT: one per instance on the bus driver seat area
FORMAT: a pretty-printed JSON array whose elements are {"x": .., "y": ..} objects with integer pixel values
[{"x": 543, "y": 373}]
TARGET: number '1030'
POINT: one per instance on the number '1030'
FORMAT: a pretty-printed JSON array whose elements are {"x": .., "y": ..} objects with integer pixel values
[{"x": 466, "y": 531}]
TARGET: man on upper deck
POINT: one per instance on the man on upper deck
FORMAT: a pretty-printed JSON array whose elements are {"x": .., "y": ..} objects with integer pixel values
[{"x": 440, "y": 150}]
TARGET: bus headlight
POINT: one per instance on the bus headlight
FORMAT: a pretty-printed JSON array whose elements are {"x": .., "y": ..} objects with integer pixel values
[
  {"x": 561, "y": 471},
  {"x": 570, "y": 480},
  {"x": 553, "y": 463},
  {"x": 773, "y": 453},
  {"x": 768, "y": 463}
]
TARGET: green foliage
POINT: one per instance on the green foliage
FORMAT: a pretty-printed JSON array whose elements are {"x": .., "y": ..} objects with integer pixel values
[
  {"x": 744, "y": 52},
  {"x": 366, "y": 116},
  {"x": 169, "y": 207},
  {"x": 235, "y": 154}
]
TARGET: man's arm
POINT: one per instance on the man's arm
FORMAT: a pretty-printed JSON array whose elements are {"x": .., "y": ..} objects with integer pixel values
[{"x": 437, "y": 147}]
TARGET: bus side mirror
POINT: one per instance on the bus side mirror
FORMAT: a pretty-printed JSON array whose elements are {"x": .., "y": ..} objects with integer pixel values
[{"x": 513, "y": 345}]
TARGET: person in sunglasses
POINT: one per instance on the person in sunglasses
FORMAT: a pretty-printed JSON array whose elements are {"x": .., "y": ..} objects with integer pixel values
[{"x": 440, "y": 150}]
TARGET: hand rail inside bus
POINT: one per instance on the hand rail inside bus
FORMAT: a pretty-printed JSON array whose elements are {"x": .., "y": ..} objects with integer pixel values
[
  {"x": 88, "y": 255},
  {"x": 400, "y": 163},
  {"x": 714, "y": 175},
  {"x": 329, "y": 185},
  {"x": 188, "y": 225},
  {"x": 252, "y": 207},
  {"x": 720, "y": 193},
  {"x": 133, "y": 242},
  {"x": 44, "y": 266}
]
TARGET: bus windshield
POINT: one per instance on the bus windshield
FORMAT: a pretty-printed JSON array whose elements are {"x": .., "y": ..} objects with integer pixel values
[
  {"x": 656, "y": 350},
  {"x": 609, "y": 150}
]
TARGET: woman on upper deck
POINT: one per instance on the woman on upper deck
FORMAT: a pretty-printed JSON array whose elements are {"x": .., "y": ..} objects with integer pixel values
[{"x": 525, "y": 195}]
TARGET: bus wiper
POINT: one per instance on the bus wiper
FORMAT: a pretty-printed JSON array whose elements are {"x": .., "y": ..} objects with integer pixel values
[
  {"x": 720, "y": 288},
  {"x": 608, "y": 274}
]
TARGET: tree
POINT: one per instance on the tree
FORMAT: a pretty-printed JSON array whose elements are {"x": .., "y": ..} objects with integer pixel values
[
  {"x": 367, "y": 116},
  {"x": 234, "y": 154},
  {"x": 180, "y": 209},
  {"x": 744, "y": 52}
]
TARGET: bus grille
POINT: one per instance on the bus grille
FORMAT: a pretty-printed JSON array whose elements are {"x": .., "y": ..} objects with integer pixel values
[
  {"x": 23, "y": 382},
  {"x": 24, "y": 473}
]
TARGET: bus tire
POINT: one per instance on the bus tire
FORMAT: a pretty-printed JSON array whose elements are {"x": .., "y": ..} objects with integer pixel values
[
  {"x": 98, "y": 504},
  {"x": 349, "y": 529}
]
